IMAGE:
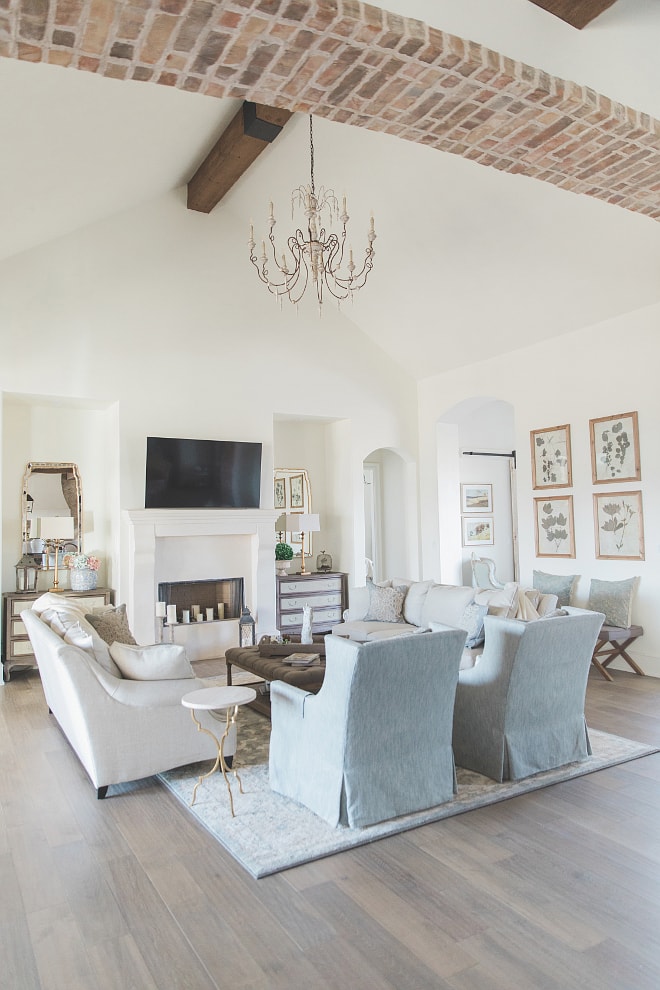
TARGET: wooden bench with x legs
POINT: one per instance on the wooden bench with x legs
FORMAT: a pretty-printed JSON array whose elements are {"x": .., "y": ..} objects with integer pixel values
[{"x": 613, "y": 642}]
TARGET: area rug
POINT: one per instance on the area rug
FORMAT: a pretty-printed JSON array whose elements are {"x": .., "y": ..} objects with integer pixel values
[{"x": 270, "y": 833}]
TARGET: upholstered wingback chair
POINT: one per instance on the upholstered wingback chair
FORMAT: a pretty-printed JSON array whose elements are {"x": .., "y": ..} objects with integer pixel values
[
  {"x": 375, "y": 742},
  {"x": 520, "y": 710}
]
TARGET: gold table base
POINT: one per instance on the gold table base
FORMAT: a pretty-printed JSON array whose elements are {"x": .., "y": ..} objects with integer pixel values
[{"x": 220, "y": 763}]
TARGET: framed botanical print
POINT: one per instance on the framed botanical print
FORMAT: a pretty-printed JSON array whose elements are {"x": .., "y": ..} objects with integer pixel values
[
  {"x": 619, "y": 525},
  {"x": 280, "y": 493},
  {"x": 297, "y": 495},
  {"x": 476, "y": 498},
  {"x": 554, "y": 530},
  {"x": 478, "y": 532},
  {"x": 551, "y": 457},
  {"x": 615, "y": 449}
]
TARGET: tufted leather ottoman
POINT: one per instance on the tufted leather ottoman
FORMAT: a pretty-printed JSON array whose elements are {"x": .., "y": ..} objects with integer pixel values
[{"x": 273, "y": 669}]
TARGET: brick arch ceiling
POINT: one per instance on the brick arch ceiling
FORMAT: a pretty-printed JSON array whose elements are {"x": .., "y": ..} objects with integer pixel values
[{"x": 359, "y": 65}]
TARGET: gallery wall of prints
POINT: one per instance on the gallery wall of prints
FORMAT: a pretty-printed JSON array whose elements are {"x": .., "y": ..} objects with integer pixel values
[{"x": 618, "y": 514}]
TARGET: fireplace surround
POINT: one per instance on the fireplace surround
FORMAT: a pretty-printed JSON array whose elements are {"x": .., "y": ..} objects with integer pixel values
[{"x": 195, "y": 537}]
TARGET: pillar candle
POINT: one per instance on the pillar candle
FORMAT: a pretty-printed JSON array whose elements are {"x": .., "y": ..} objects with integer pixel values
[
  {"x": 185, "y": 615},
  {"x": 171, "y": 614},
  {"x": 209, "y": 615},
  {"x": 200, "y": 616},
  {"x": 221, "y": 610},
  {"x": 194, "y": 611},
  {"x": 160, "y": 610}
]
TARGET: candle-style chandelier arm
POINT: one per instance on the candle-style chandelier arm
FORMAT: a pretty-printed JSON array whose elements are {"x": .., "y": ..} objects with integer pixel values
[{"x": 317, "y": 256}]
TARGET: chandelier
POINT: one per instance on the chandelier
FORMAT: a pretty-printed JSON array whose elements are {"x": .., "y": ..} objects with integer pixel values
[{"x": 316, "y": 255}]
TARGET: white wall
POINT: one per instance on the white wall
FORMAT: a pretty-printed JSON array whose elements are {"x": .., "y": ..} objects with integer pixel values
[
  {"x": 598, "y": 371},
  {"x": 157, "y": 317}
]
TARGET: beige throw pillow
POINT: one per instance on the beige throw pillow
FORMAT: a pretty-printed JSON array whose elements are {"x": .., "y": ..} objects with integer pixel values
[{"x": 112, "y": 625}]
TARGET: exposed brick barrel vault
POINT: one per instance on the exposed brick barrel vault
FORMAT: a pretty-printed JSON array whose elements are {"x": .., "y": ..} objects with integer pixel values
[{"x": 354, "y": 63}]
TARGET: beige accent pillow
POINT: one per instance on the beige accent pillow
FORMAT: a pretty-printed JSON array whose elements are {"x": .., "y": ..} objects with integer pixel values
[
  {"x": 112, "y": 625},
  {"x": 500, "y": 601},
  {"x": 160, "y": 662}
]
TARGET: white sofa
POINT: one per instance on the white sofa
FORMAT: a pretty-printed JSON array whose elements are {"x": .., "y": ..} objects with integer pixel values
[
  {"x": 429, "y": 606},
  {"x": 120, "y": 729}
]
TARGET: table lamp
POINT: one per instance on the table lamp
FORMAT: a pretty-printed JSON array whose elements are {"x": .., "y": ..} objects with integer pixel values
[
  {"x": 56, "y": 530},
  {"x": 303, "y": 522}
]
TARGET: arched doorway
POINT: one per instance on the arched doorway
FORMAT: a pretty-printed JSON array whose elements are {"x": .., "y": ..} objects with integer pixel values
[{"x": 390, "y": 519}]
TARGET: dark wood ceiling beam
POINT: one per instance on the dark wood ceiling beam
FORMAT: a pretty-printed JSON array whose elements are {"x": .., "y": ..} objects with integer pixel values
[
  {"x": 576, "y": 12},
  {"x": 253, "y": 128}
]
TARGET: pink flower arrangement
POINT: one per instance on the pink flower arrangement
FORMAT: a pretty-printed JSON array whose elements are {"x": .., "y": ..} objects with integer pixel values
[{"x": 81, "y": 561}]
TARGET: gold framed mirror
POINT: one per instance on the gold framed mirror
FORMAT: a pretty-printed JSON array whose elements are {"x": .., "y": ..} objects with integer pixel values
[{"x": 50, "y": 488}]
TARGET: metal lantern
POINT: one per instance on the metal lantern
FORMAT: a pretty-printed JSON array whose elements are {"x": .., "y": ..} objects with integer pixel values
[
  {"x": 26, "y": 574},
  {"x": 246, "y": 628}
]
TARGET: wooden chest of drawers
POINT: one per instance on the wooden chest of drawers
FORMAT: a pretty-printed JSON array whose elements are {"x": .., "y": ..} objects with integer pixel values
[
  {"x": 16, "y": 647},
  {"x": 325, "y": 593}
]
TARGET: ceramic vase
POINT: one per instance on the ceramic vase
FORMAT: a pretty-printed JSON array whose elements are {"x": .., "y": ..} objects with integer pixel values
[{"x": 83, "y": 579}]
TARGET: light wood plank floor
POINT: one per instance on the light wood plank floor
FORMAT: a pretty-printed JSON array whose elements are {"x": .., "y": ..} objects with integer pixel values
[{"x": 553, "y": 890}]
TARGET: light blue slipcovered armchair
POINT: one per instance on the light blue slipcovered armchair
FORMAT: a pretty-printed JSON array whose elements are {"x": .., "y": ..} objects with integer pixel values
[
  {"x": 375, "y": 742},
  {"x": 520, "y": 710}
]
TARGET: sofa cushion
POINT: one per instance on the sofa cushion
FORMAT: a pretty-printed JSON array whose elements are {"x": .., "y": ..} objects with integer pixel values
[
  {"x": 500, "y": 601},
  {"x": 112, "y": 625},
  {"x": 413, "y": 604},
  {"x": 615, "y": 599},
  {"x": 159, "y": 662},
  {"x": 392, "y": 630},
  {"x": 385, "y": 604},
  {"x": 561, "y": 585},
  {"x": 446, "y": 603},
  {"x": 360, "y": 631},
  {"x": 85, "y": 637}
]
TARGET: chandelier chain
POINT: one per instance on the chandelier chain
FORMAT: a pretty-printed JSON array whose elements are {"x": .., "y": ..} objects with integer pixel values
[{"x": 311, "y": 155}]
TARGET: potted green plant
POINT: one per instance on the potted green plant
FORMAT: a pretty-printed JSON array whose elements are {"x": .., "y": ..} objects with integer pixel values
[{"x": 283, "y": 557}]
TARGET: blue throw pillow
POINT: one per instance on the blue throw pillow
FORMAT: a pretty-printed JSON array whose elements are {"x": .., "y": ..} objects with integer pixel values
[
  {"x": 472, "y": 621},
  {"x": 561, "y": 585}
]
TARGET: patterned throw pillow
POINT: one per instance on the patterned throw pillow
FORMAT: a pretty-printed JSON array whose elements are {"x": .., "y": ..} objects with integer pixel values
[
  {"x": 385, "y": 604},
  {"x": 615, "y": 599},
  {"x": 472, "y": 621},
  {"x": 112, "y": 625},
  {"x": 560, "y": 585}
]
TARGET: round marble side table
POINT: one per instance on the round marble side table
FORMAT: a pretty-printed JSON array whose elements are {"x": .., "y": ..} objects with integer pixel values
[{"x": 213, "y": 699}]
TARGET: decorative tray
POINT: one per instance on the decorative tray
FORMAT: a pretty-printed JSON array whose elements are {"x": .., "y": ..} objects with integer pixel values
[{"x": 286, "y": 649}]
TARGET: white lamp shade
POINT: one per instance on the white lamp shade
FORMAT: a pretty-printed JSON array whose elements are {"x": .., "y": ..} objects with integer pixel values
[
  {"x": 305, "y": 522},
  {"x": 56, "y": 527}
]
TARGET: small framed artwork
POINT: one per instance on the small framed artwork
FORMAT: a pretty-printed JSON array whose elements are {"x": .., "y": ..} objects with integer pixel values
[
  {"x": 478, "y": 531},
  {"x": 280, "y": 493},
  {"x": 551, "y": 457},
  {"x": 297, "y": 493},
  {"x": 554, "y": 531},
  {"x": 619, "y": 526},
  {"x": 615, "y": 449},
  {"x": 476, "y": 498}
]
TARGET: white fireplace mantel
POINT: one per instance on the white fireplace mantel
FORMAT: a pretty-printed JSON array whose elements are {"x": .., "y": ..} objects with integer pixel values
[{"x": 146, "y": 526}]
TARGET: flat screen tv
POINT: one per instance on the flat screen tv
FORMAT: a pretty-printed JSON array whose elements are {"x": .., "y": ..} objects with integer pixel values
[{"x": 202, "y": 474}]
